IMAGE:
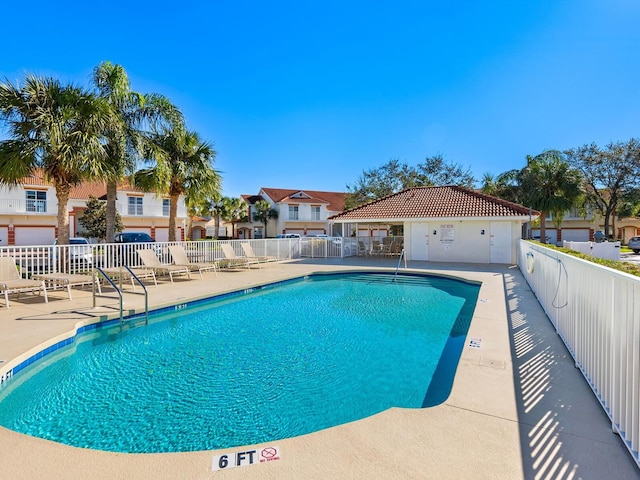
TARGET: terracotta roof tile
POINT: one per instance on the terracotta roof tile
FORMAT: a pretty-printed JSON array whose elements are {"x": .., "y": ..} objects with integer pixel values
[
  {"x": 333, "y": 200},
  {"x": 435, "y": 202},
  {"x": 251, "y": 199},
  {"x": 82, "y": 190}
]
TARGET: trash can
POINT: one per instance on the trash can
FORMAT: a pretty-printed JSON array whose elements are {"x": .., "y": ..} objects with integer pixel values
[{"x": 599, "y": 236}]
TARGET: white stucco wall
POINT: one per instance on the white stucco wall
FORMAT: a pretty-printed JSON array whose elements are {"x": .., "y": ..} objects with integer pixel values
[{"x": 460, "y": 241}]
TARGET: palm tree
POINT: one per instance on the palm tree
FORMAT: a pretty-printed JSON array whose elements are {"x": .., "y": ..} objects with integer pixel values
[
  {"x": 236, "y": 213},
  {"x": 263, "y": 213},
  {"x": 196, "y": 205},
  {"x": 218, "y": 209},
  {"x": 182, "y": 164},
  {"x": 489, "y": 184},
  {"x": 131, "y": 112},
  {"x": 57, "y": 128},
  {"x": 549, "y": 185}
]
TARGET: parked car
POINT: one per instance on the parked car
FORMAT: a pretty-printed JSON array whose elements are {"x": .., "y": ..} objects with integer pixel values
[
  {"x": 80, "y": 252},
  {"x": 126, "y": 254},
  {"x": 634, "y": 244},
  {"x": 133, "y": 237},
  {"x": 288, "y": 235}
]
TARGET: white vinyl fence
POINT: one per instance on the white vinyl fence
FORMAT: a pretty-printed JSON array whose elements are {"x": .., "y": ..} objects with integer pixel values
[
  {"x": 326, "y": 247},
  {"x": 47, "y": 259},
  {"x": 606, "y": 250},
  {"x": 596, "y": 312}
]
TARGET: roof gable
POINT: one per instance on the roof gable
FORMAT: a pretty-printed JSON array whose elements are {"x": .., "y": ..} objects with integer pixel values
[
  {"x": 435, "y": 202},
  {"x": 300, "y": 195},
  {"x": 333, "y": 200}
]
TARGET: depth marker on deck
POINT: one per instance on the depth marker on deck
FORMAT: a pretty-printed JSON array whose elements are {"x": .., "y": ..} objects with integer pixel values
[
  {"x": 245, "y": 458},
  {"x": 475, "y": 342}
]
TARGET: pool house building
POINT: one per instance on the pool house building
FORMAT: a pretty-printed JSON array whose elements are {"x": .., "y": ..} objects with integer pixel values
[{"x": 443, "y": 224}]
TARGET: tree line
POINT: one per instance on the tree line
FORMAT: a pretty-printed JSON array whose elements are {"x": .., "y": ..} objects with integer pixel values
[
  {"x": 103, "y": 132},
  {"x": 590, "y": 178}
]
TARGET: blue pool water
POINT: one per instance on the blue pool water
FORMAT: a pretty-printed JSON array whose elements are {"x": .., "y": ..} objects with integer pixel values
[{"x": 273, "y": 364}]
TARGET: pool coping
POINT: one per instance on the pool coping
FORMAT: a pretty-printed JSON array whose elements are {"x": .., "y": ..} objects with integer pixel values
[{"x": 480, "y": 417}]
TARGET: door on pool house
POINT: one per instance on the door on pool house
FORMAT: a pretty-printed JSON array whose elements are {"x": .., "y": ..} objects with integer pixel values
[
  {"x": 501, "y": 242},
  {"x": 420, "y": 241}
]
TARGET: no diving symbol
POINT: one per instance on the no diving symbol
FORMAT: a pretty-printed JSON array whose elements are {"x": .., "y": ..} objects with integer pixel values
[{"x": 269, "y": 453}]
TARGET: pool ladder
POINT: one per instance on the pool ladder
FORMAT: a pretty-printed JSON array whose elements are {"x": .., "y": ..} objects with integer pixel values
[
  {"x": 395, "y": 275},
  {"x": 121, "y": 290}
]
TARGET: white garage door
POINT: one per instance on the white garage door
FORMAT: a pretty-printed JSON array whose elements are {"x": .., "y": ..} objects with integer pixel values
[
  {"x": 35, "y": 236},
  {"x": 575, "y": 234},
  {"x": 162, "y": 234},
  {"x": 4, "y": 236}
]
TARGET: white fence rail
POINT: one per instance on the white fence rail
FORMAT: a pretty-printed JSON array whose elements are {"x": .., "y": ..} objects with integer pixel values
[
  {"x": 325, "y": 247},
  {"x": 606, "y": 250},
  {"x": 596, "y": 312},
  {"x": 45, "y": 259}
]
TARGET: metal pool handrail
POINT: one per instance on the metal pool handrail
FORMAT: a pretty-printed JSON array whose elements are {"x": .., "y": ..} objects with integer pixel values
[
  {"x": 115, "y": 287},
  {"x": 120, "y": 291},
  {"x": 395, "y": 275}
]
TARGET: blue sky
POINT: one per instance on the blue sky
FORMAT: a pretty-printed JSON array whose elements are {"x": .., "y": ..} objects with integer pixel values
[{"x": 307, "y": 95}]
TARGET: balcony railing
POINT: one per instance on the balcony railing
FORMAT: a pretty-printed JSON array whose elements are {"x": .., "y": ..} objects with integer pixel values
[
  {"x": 10, "y": 205},
  {"x": 147, "y": 211},
  {"x": 23, "y": 206},
  {"x": 306, "y": 217}
]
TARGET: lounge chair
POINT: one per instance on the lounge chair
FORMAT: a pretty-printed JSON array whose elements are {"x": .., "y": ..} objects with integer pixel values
[
  {"x": 232, "y": 260},
  {"x": 250, "y": 254},
  {"x": 150, "y": 260},
  {"x": 119, "y": 274},
  {"x": 180, "y": 258},
  {"x": 69, "y": 280},
  {"x": 12, "y": 282}
]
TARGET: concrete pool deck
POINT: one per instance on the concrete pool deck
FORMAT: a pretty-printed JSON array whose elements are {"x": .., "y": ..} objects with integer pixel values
[{"x": 518, "y": 408}]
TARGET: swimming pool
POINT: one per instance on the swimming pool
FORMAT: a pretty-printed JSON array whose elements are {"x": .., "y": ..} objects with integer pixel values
[{"x": 275, "y": 363}]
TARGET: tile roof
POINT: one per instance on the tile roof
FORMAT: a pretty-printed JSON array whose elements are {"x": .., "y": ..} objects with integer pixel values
[
  {"x": 334, "y": 200},
  {"x": 251, "y": 199},
  {"x": 82, "y": 190},
  {"x": 435, "y": 202}
]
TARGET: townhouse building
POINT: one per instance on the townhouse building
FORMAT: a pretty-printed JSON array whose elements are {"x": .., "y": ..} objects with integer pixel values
[
  {"x": 28, "y": 211},
  {"x": 302, "y": 212},
  {"x": 579, "y": 226}
]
